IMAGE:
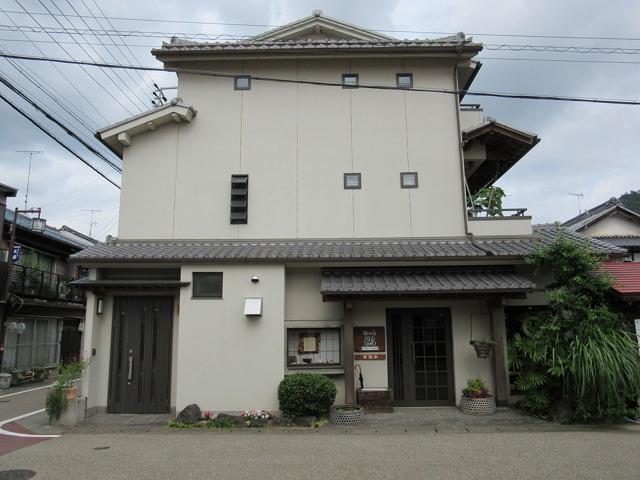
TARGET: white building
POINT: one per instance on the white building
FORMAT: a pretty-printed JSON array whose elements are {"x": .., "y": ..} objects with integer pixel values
[{"x": 305, "y": 195}]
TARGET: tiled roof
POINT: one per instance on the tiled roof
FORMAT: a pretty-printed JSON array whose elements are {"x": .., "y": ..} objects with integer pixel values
[
  {"x": 314, "y": 44},
  {"x": 626, "y": 276},
  {"x": 337, "y": 281},
  {"x": 52, "y": 233},
  {"x": 547, "y": 233},
  {"x": 624, "y": 241},
  {"x": 389, "y": 249},
  {"x": 594, "y": 214}
]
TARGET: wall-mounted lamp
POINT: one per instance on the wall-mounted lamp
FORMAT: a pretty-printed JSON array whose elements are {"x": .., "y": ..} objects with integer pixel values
[
  {"x": 255, "y": 279},
  {"x": 100, "y": 305},
  {"x": 81, "y": 326}
]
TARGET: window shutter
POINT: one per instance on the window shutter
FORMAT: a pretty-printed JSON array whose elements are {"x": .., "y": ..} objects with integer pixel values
[{"x": 239, "y": 198}]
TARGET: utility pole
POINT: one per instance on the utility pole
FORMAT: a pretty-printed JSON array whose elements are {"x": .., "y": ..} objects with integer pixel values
[
  {"x": 91, "y": 222},
  {"x": 31, "y": 153}
]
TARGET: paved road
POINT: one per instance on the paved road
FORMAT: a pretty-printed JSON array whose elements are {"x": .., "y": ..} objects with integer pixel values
[
  {"x": 17, "y": 402},
  {"x": 257, "y": 455}
]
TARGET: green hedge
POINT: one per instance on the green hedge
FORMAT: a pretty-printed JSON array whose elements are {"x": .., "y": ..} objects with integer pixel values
[{"x": 306, "y": 394}]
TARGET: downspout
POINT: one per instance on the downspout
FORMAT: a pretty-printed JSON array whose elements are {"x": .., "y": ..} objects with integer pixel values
[{"x": 461, "y": 152}]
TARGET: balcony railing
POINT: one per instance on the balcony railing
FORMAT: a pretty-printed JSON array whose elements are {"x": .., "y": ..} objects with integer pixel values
[
  {"x": 34, "y": 283},
  {"x": 496, "y": 213}
]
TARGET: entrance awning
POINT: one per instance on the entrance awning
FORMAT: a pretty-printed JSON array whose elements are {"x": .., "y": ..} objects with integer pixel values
[{"x": 423, "y": 281}]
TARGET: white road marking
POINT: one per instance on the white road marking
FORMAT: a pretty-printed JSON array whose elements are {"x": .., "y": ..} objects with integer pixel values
[
  {"x": 23, "y": 435},
  {"x": 25, "y": 391}
]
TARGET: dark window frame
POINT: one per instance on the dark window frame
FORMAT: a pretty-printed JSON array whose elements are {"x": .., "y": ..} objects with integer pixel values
[
  {"x": 354, "y": 75},
  {"x": 398, "y": 75},
  {"x": 195, "y": 294},
  {"x": 403, "y": 185},
  {"x": 315, "y": 331},
  {"x": 238, "y": 77},
  {"x": 350, "y": 187}
]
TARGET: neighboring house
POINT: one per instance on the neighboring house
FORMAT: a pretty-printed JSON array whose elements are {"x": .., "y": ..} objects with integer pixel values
[
  {"x": 610, "y": 222},
  {"x": 272, "y": 227},
  {"x": 44, "y": 313}
]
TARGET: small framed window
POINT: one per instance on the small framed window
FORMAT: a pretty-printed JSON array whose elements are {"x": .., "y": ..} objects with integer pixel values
[
  {"x": 352, "y": 181},
  {"x": 313, "y": 348},
  {"x": 207, "y": 285},
  {"x": 404, "y": 80},
  {"x": 350, "y": 80},
  {"x": 409, "y": 179},
  {"x": 242, "y": 82}
]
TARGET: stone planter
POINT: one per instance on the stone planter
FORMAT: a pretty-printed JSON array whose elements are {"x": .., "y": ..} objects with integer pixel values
[
  {"x": 5, "y": 381},
  {"x": 346, "y": 414},
  {"x": 478, "y": 406},
  {"x": 375, "y": 400}
]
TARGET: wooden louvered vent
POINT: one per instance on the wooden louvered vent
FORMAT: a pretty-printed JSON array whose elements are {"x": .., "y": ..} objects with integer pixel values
[{"x": 239, "y": 198}]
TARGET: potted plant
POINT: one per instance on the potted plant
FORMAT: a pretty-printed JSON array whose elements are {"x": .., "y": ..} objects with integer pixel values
[
  {"x": 63, "y": 389},
  {"x": 482, "y": 347},
  {"x": 476, "y": 399}
]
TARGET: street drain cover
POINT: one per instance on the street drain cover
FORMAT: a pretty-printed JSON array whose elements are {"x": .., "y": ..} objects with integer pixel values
[
  {"x": 16, "y": 474},
  {"x": 97, "y": 448}
]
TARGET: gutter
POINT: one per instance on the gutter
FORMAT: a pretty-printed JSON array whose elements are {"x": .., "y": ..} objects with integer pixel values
[{"x": 457, "y": 100}]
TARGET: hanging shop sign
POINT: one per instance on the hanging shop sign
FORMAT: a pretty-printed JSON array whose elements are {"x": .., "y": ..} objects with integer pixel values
[{"x": 369, "y": 339}]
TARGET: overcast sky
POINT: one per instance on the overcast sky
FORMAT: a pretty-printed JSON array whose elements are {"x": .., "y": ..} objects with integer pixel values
[{"x": 585, "y": 148}]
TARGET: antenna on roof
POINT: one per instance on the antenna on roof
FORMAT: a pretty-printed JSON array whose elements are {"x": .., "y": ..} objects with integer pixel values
[
  {"x": 31, "y": 153},
  {"x": 578, "y": 196}
]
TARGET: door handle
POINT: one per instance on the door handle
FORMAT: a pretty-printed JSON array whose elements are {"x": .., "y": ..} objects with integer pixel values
[{"x": 130, "y": 368}]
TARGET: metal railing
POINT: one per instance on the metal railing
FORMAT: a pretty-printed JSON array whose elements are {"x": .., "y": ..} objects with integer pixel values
[
  {"x": 34, "y": 283},
  {"x": 496, "y": 212}
]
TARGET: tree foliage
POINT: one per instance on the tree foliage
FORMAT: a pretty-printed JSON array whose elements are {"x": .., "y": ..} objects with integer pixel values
[
  {"x": 490, "y": 200},
  {"x": 631, "y": 200},
  {"x": 578, "y": 351}
]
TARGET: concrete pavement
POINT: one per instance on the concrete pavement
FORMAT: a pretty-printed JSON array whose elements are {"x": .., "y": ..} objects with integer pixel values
[{"x": 228, "y": 454}]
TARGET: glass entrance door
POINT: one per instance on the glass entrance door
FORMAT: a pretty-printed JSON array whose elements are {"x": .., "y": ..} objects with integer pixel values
[{"x": 420, "y": 356}]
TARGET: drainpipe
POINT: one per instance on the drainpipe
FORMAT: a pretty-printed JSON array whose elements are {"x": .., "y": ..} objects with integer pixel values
[
  {"x": 461, "y": 151},
  {"x": 349, "y": 370}
]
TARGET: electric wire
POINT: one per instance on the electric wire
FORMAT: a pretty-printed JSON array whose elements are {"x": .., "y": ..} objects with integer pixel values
[
  {"x": 61, "y": 73},
  {"x": 382, "y": 30},
  {"x": 518, "y": 96},
  {"x": 106, "y": 73},
  {"x": 83, "y": 69},
  {"x": 53, "y": 119},
  {"x": 127, "y": 72},
  {"x": 55, "y": 139}
]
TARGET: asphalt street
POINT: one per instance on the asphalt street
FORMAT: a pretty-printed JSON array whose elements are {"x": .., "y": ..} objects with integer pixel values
[{"x": 253, "y": 454}]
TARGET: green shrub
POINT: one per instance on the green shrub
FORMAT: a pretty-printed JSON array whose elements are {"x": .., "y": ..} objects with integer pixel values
[{"x": 306, "y": 394}]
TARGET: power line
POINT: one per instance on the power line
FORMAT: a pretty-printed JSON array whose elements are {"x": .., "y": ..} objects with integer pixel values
[
  {"x": 132, "y": 90},
  {"x": 510, "y": 47},
  {"x": 560, "y": 60},
  {"x": 55, "y": 139},
  {"x": 82, "y": 67},
  {"x": 64, "y": 127},
  {"x": 384, "y": 30},
  {"x": 93, "y": 59},
  {"x": 518, "y": 96},
  {"x": 72, "y": 84}
]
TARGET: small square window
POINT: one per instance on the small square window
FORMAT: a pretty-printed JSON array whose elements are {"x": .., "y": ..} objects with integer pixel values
[
  {"x": 242, "y": 82},
  {"x": 207, "y": 284},
  {"x": 409, "y": 179},
  {"x": 313, "y": 348},
  {"x": 350, "y": 80},
  {"x": 404, "y": 80},
  {"x": 352, "y": 181}
]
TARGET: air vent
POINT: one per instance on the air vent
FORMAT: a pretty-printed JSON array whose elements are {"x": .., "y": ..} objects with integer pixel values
[{"x": 239, "y": 198}]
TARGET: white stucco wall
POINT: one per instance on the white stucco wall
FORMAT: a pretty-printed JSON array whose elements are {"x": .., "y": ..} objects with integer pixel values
[
  {"x": 613, "y": 225},
  {"x": 227, "y": 361},
  {"x": 500, "y": 226},
  {"x": 295, "y": 142}
]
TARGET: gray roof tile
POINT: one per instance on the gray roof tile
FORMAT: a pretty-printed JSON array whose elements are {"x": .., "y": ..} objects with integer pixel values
[
  {"x": 390, "y": 249},
  {"x": 336, "y": 281}
]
